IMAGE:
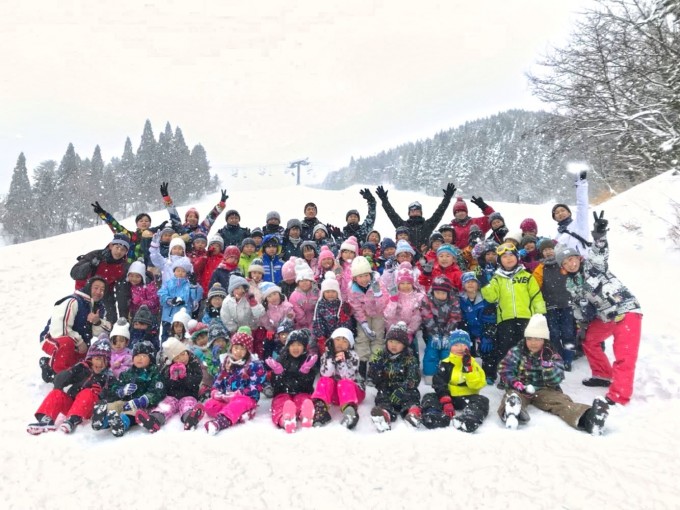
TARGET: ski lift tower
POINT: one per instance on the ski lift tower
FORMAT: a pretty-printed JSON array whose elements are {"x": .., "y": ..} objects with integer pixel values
[{"x": 298, "y": 164}]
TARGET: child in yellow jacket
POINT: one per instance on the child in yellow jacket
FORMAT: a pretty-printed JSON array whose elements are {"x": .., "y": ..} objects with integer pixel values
[{"x": 456, "y": 385}]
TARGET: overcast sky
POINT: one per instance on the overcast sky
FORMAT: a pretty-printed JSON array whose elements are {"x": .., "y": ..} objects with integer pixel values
[{"x": 262, "y": 83}]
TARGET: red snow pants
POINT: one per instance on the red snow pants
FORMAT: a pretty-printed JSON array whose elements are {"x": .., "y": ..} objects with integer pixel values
[{"x": 57, "y": 402}]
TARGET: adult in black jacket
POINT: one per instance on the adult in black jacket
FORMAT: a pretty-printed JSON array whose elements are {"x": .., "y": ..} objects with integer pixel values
[
  {"x": 419, "y": 228},
  {"x": 233, "y": 233}
]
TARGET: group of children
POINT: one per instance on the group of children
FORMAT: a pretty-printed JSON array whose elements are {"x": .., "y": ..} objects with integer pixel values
[{"x": 340, "y": 313}]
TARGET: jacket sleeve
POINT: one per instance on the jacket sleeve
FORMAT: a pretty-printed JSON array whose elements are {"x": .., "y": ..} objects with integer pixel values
[
  {"x": 84, "y": 268},
  {"x": 327, "y": 366},
  {"x": 66, "y": 377},
  {"x": 209, "y": 220},
  {"x": 440, "y": 380},
  {"x": 368, "y": 223},
  {"x": 476, "y": 379},
  {"x": 508, "y": 367},
  {"x": 123, "y": 297},
  {"x": 536, "y": 297},
  {"x": 582, "y": 209},
  {"x": 538, "y": 275},
  {"x": 392, "y": 214},
  {"x": 63, "y": 317},
  {"x": 155, "y": 251},
  {"x": 175, "y": 220},
  {"x": 156, "y": 390},
  {"x": 412, "y": 374},
  {"x": 491, "y": 292},
  {"x": 434, "y": 220},
  {"x": 347, "y": 369},
  {"x": 164, "y": 294}
]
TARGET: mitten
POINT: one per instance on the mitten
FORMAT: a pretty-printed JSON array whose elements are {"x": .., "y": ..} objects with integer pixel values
[
  {"x": 449, "y": 190},
  {"x": 126, "y": 390},
  {"x": 467, "y": 363},
  {"x": 136, "y": 403},
  {"x": 427, "y": 267},
  {"x": 394, "y": 298},
  {"x": 479, "y": 202},
  {"x": 270, "y": 335},
  {"x": 276, "y": 367},
  {"x": 375, "y": 287},
  {"x": 178, "y": 371},
  {"x": 382, "y": 194},
  {"x": 369, "y": 332},
  {"x": 308, "y": 364},
  {"x": 519, "y": 386},
  {"x": 447, "y": 406}
]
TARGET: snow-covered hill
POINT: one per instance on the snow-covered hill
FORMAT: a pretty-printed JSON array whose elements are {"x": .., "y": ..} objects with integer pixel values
[{"x": 543, "y": 465}]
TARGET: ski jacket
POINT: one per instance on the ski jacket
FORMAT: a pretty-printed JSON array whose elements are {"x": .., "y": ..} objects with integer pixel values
[
  {"x": 516, "y": 292},
  {"x": 406, "y": 308},
  {"x": 462, "y": 227},
  {"x": 361, "y": 230},
  {"x": 69, "y": 318},
  {"x": 440, "y": 318},
  {"x": 346, "y": 369},
  {"x": 365, "y": 303},
  {"x": 81, "y": 376},
  {"x": 390, "y": 372},
  {"x": 451, "y": 273},
  {"x": 148, "y": 381},
  {"x": 520, "y": 365},
  {"x": 579, "y": 226},
  {"x": 479, "y": 316},
  {"x": 233, "y": 235},
  {"x": 248, "y": 378},
  {"x": 120, "y": 361},
  {"x": 304, "y": 304},
  {"x": 419, "y": 228},
  {"x": 187, "y": 386},
  {"x": 552, "y": 280},
  {"x": 329, "y": 316},
  {"x": 272, "y": 268},
  {"x": 178, "y": 288},
  {"x": 291, "y": 381},
  {"x": 185, "y": 228},
  {"x": 235, "y": 314},
  {"x": 274, "y": 314},
  {"x": 451, "y": 380}
]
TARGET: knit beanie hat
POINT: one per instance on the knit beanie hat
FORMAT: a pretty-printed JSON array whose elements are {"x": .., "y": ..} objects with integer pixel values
[
  {"x": 138, "y": 267},
  {"x": 191, "y": 210},
  {"x": 469, "y": 276},
  {"x": 216, "y": 239},
  {"x": 166, "y": 231},
  {"x": 330, "y": 282},
  {"x": 144, "y": 347},
  {"x": 398, "y": 332},
  {"x": 199, "y": 235},
  {"x": 216, "y": 290},
  {"x": 216, "y": 330},
  {"x": 460, "y": 205},
  {"x": 514, "y": 237},
  {"x": 121, "y": 328},
  {"x": 256, "y": 266},
  {"x": 184, "y": 263},
  {"x": 448, "y": 227},
  {"x": 232, "y": 212},
  {"x": 299, "y": 335},
  {"x": 177, "y": 241},
  {"x": 387, "y": 243},
  {"x": 256, "y": 232},
  {"x": 537, "y": 327},
  {"x": 415, "y": 206},
  {"x": 435, "y": 236},
  {"x": 403, "y": 246},
  {"x": 545, "y": 243},
  {"x": 526, "y": 239},
  {"x": 100, "y": 347},
  {"x": 285, "y": 326},
  {"x": 475, "y": 235},
  {"x": 197, "y": 328},
  {"x": 183, "y": 317},
  {"x": 353, "y": 211},
  {"x": 318, "y": 227},
  {"x": 143, "y": 315},
  {"x": 122, "y": 240},
  {"x": 459, "y": 336},
  {"x": 236, "y": 281},
  {"x": 243, "y": 338},
  {"x": 405, "y": 273},
  {"x": 402, "y": 230},
  {"x": 528, "y": 224},
  {"x": 360, "y": 265},
  {"x": 350, "y": 244},
  {"x": 310, "y": 244},
  {"x": 563, "y": 252},
  {"x": 559, "y": 205},
  {"x": 268, "y": 288},
  {"x": 325, "y": 253},
  {"x": 443, "y": 284},
  {"x": 369, "y": 246},
  {"x": 446, "y": 248},
  {"x": 273, "y": 215},
  {"x": 232, "y": 251},
  {"x": 288, "y": 269},
  {"x": 344, "y": 333},
  {"x": 310, "y": 204},
  {"x": 293, "y": 223},
  {"x": 270, "y": 240},
  {"x": 248, "y": 241},
  {"x": 172, "y": 348},
  {"x": 303, "y": 271},
  {"x": 496, "y": 216}
]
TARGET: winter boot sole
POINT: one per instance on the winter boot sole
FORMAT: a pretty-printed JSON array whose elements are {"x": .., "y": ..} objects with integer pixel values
[
  {"x": 600, "y": 412},
  {"x": 99, "y": 417},
  {"x": 596, "y": 382},
  {"x": 116, "y": 423},
  {"x": 67, "y": 427},
  {"x": 380, "y": 419},
  {"x": 288, "y": 420},
  {"x": 350, "y": 418},
  {"x": 193, "y": 418},
  {"x": 413, "y": 419},
  {"x": 513, "y": 408},
  {"x": 148, "y": 421},
  {"x": 35, "y": 429},
  {"x": 307, "y": 413}
]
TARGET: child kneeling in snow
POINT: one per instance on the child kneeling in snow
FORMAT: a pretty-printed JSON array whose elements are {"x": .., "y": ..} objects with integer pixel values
[
  {"x": 139, "y": 387},
  {"x": 87, "y": 379},
  {"x": 457, "y": 383},
  {"x": 338, "y": 381},
  {"x": 237, "y": 388},
  {"x": 293, "y": 382},
  {"x": 181, "y": 375},
  {"x": 533, "y": 373},
  {"x": 396, "y": 374}
]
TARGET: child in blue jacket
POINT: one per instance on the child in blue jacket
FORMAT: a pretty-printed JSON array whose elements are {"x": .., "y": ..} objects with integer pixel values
[
  {"x": 178, "y": 292},
  {"x": 271, "y": 248}
]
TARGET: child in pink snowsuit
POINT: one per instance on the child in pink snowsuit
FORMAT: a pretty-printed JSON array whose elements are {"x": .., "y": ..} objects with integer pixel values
[
  {"x": 338, "y": 382},
  {"x": 305, "y": 296},
  {"x": 121, "y": 354},
  {"x": 237, "y": 388},
  {"x": 406, "y": 304},
  {"x": 348, "y": 252},
  {"x": 293, "y": 382},
  {"x": 142, "y": 292}
]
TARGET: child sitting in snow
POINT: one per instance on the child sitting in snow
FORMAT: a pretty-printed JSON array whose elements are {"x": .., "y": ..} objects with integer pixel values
[
  {"x": 181, "y": 375},
  {"x": 138, "y": 388},
  {"x": 338, "y": 382},
  {"x": 532, "y": 373},
  {"x": 293, "y": 382},
  {"x": 456, "y": 386},
  {"x": 121, "y": 354},
  {"x": 396, "y": 375},
  {"x": 330, "y": 314},
  {"x": 85, "y": 381},
  {"x": 237, "y": 388}
]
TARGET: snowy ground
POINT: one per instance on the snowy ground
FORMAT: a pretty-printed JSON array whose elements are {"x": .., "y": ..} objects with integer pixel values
[{"x": 543, "y": 465}]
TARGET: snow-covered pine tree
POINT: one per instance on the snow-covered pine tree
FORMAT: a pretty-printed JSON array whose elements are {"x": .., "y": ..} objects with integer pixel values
[{"x": 19, "y": 206}]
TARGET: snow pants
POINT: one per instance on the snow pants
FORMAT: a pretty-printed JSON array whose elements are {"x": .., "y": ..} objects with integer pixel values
[
  {"x": 550, "y": 400},
  {"x": 508, "y": 334},
  {"x": 63, "y": 353},
  {"x": 470, "y": 409},
  {"x": 170, "y": 406},
  {"x": 366, "y": 346},
  {"x": 342, "y": 392},
  {"x": 279, "y": 401},
  {"x": 397, "y": 402},
  {"x": 57, "y": 402},
  {"x": 562, "y": 331},
  {"x": 626, "y": 333},
  {"x": 234, "y": 409}
]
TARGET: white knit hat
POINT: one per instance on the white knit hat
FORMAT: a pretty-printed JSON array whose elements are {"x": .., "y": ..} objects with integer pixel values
[
  {"x": 172, "y": 348},
  {"x": 345, "y": 333},
  {"x": 177, "y": 241},
  {"x": 121, "y": 328},
  {"x": 303, "y": 271},
  {"x": 330, "y": 283},
  {"x": 183, "y": 317},
  {"x": 360, "y": 265},
  {"x": 537, "y": 327},
  {"x": 268, "y": 288},
  {"x": 139, "y": 268},
  {"x": 515, "y": 235}
]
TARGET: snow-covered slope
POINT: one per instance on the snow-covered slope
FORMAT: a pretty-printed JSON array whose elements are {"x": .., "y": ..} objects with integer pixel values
[{"x": 543, "y": 465}]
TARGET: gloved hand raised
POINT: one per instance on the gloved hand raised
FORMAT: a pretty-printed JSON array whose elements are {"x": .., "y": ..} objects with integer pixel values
[
  {"x": 479, "y": 202},
  {"x": 127, "y": 390},
  {"x": 449, "y": 190},
  {"x": 224, "y": 196},
  {"x": 98, "y": 209},
  {"x": 367, "y": 195},
  {"x": 600, "y": 224},
  {"x": 467, "y": 363},
  {"x": 276, "y": 367},
  {"x": 164, "y": 189},
  {"x": 487, "y": 345},
  {"x": 308, "y": 364},
  {"x": 382, "y": 194}
]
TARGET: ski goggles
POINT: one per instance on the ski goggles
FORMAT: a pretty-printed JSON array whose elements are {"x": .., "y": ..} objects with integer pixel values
[{"x": 505, "y": 248}]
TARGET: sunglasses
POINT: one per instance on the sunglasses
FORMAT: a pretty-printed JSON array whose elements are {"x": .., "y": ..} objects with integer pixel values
[{"x": 506, "y": 247}]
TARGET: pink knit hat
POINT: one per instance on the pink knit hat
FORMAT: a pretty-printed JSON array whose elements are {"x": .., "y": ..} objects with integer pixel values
[
  {"x": 288, "y": 269},
  {"x": 325, "y": 253},
  {"x": 405, "y": 273}
]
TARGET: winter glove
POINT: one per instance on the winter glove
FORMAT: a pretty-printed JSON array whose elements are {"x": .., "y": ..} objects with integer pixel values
[
  {"x": 224, "y": 196},
  {"x": 487, "y": 345},
  {"x": 95, "y": 261},
  {"x": 126, "y": 390},
  {"x": 479, "y": 202},
  {"x": 447, "y": 406},
  {"x": 308, "y": 364},
  {"x": 334, "y": 231},
  {"x": 382, "y": 194},
  {"x": 449, "y": 190},
  {"x": 161, "y": 226},
  {"x": 192, "y": 278},
  {"x": 136, "y": 403},
  {"x": 216, "y": 351},
  {"x": 177, "y": 301},
  {"x": 522, "y": 253},
  {"x": 600, "y": 225},
  {"x": 368, "y": 196},
  {"x": 375, "y": 287},
  {"x": 276, "y": 367},
  {"x": 369, "y": 332},
  {"x": 252, "y": 300},
  {"x": 583, "y": 175},
  {"x": 467, "y": 363},
  {"x": 164, "y": 189},
  {"x": 394, "y": 298},
  {"x": 218, "y": 395},
  {"x": 427, "y": 267},
  {"x": 98, "y": 208},
  {"x": 398, "y": 396},
  {"x": 178, "y": 371}
]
